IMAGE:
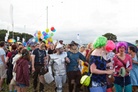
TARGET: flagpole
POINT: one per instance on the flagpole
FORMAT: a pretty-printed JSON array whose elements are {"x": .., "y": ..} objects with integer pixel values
[
  {"x": 12, "y": 22},
  {"x": 47, "y": 17}
]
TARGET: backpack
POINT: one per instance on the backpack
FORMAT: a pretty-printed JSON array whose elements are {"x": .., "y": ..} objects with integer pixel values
[{"x": 10, "y": 67}]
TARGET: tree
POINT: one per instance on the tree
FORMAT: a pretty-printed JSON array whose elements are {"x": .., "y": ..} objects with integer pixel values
[
  {"x": 111, "y": 36},
  {"x": 16, "y": 34},
  {"x": 136, "y": 41}
]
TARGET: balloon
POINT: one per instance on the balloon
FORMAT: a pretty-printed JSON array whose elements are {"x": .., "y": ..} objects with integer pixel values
[
  {"x": 46, "y": 41},
  {"x": 35, "y": 34},
  {"x": 47, "y": 30},
  {"x": 36, "y": 39},
  {"x": 39, "y": 32},
  {"x": 39, "y": 36},
  {"x": 110, "y": 46},
  {"x": 45, "y": 37},
  {"x": 50, "y": 40},
  {"x": 52, "y": 34},
  {"x": 42, "y": 37},
  {"x": 48, "y": 36},
  {"x": 52, "y": 28},
  {"x": 44, "y": 33},
  {"x": 47, "y": 45}
]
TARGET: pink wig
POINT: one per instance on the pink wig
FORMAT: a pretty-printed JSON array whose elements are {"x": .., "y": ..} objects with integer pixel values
[{"x": 120, "y": 44}]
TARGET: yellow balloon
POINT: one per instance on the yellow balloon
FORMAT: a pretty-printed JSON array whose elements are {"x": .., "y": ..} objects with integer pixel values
[
  {"x": 51, "y": 40},
  {"x": 46, "y": 41},
  {"x": 39, "y": 36},
  {"x": 47, "y": 30}
]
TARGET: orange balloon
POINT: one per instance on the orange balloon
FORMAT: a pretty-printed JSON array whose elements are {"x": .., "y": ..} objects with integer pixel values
[
  {"x": 47, "y": 45},
  {"x": 39, "y": 32}
]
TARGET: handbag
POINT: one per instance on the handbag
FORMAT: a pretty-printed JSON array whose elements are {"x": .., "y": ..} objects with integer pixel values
[
  {"x": 86, "y": 79},
  {"x": 122, "y": 71},
  {"x": 48, "y": 77}
]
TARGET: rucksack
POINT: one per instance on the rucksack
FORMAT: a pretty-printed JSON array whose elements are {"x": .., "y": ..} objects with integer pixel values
[
  {"x": 9, "y": 64},
  {"x": 10, "y": 67}
]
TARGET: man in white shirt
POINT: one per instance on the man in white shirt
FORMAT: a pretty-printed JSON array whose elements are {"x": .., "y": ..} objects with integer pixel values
[{"x": 2, "y": 64}]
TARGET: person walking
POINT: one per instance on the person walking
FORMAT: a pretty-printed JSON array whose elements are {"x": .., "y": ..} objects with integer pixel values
[
  {"x": 22, "y": 71},
  {"x": 39, "y": 58},
  {"x": 58, "y": 62},
  {"x": 3, "y": 65},
  {"x": 73, "y": 71}
]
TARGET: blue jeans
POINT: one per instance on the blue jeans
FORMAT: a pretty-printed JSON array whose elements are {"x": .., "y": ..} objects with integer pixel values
[{"x": 98, "y": 89}]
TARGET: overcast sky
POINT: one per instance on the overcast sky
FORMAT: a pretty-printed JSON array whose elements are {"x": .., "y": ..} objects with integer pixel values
[{"x": 88, "y": 18}]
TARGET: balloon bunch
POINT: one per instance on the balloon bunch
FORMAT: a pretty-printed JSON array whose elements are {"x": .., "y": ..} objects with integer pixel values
[{"x": 45, "y": 35}]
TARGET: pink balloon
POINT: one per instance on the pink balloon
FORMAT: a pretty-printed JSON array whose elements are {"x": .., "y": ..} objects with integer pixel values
[{"x": 110, "y": 46}]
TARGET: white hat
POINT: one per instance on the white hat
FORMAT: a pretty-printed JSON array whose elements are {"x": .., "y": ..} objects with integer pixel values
[{"x": 59, "y": 46}]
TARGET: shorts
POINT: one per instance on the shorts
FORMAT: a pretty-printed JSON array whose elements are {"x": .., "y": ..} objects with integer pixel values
[
  {"x": 3, "y": 71},
  {"x": 21, "y": 85}
]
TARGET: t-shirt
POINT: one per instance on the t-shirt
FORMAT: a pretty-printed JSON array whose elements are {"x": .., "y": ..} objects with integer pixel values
[
  {"x": 11, "y": 53},
  {"x": 2, "y": 52},
  {"x": 100, "y": 62},
  {"x": 74, "y": 57},
  {"x": 39, "y": 55}
]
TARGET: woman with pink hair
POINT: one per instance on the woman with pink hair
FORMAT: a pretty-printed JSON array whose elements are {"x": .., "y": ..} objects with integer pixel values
[{"x": 123, "y": 65}]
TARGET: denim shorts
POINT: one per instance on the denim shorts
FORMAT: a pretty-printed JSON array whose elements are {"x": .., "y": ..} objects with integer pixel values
[{"x": 21, "y": 85}]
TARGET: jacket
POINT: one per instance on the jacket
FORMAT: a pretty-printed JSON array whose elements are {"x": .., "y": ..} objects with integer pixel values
[{"x": 22, "y": 72}]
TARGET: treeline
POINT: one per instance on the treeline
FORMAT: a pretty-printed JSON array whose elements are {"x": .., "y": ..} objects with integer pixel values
[{"x": 16, "y": 34}]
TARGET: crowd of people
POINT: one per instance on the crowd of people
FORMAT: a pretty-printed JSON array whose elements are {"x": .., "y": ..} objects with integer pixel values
[{"x": 112, "y": 69}]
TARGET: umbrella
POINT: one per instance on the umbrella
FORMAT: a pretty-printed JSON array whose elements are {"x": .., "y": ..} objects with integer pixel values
[
  {"x": 11, "y": 40},
  {"x": 32, "y": 41},
  {"x": 130, "y": 44}
]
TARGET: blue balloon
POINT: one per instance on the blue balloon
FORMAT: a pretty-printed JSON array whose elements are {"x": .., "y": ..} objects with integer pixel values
[
  {"x": 54, "y": 30},
  {"x": 45, "y": 37}
]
